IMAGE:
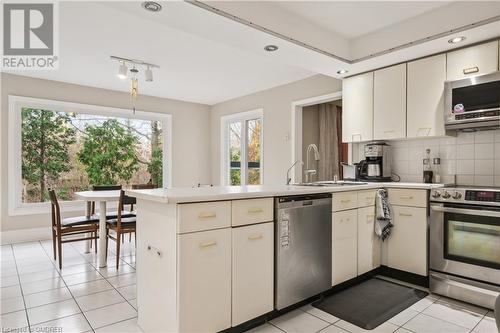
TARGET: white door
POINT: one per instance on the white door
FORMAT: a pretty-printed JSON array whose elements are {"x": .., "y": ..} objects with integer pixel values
[
  {"x": 253, "y": 271},
  {"x": 407, "y": 244},
  {"x": 475, "y": 60},
  {"x": 357, "y": 108},
  {"x": 204, "y": 297},
  {"x": 389, "y": 109},
  {"x": 344, "y": 246},
  {"x": 368, "y": 242},
  {"x": 425, "y": 111}
]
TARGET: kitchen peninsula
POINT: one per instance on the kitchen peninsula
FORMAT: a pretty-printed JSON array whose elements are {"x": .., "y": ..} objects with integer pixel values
[{"x": 205, "y": 256}]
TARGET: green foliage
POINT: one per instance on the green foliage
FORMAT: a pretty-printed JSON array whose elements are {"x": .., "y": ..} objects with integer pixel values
[
  {"x": 109, "y": 153},
  {"x": 46, "y": 137},
  {"x": 235, "y": 175},
  {"x": 155, "y": 167}
]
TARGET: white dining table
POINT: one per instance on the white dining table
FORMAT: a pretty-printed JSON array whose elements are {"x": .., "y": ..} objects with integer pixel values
[{"x": 102, "y": 197}]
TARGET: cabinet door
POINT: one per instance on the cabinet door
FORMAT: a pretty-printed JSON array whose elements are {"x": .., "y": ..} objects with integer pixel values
[
  {"x": 368, "y": 242},
  {"x": 357, "y": 114},
  {"x": 344, "y": 246},
  {"x": 253, "y": 271},
  {"x": 426, "y": 79},
  {"x": 475, "y": 60},
  {"x": 204, "y": 271},
  {"x": 407, "y": 244},
  {"x": 389, "y": 108}
]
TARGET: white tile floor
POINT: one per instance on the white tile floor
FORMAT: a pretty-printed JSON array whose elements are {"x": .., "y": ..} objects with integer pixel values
[{"x": 82, "y": 298}]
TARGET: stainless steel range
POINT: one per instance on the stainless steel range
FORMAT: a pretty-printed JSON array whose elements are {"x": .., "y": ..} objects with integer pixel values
[{"x": 465, "y": 244}]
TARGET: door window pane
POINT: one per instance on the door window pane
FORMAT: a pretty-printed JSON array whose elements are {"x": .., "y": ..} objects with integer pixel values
[
  {"x": 235, "y": 153},
  {"x": 253, "y": 151}
]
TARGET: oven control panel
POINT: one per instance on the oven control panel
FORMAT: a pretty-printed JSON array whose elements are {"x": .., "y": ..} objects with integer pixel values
[{"x": 489, "y": 196}]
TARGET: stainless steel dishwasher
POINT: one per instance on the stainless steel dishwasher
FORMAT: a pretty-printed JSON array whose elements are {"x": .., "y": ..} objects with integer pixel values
[{"x": 303, "y": 247}]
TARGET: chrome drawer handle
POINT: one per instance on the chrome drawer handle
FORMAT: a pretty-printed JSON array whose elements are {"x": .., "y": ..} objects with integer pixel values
[
  {"x": 471, "y": 70},
  {"x": 345, "y": 201},
  {"x": 207, "y": 215},
  {"x": 255, "y": 237},
  {"x": 406, "y": 197},
  {"x": 255, "y": 210},
  {"x": 405, "y": 214},
  {"x": 208, "y": 244}
]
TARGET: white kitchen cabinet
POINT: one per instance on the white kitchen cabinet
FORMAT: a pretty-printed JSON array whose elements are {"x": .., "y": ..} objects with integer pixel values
[
  {"x": 425, "y": 102},
  {"x": 407, "y": 244},
  {"x": 368, "y": 242},
  {"x": 357, "y": 105},
  {"x": 344, "y": 245},
  {"x": 204, "y": 281},
  {"x": 252, "y": 211},
  {"x": 253, "y": 271},
  {"x": 389, "y": 103},
  {"x": 474, "y": 60}
]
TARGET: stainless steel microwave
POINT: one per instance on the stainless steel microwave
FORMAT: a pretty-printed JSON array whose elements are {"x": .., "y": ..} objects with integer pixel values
[{"x": 473, "y": 103}]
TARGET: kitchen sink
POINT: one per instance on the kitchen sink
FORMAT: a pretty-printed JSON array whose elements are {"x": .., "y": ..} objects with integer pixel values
[{"x": 332, "y": 183}]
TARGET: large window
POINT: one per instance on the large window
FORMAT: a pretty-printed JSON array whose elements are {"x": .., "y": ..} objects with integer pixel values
[
  {"x": 71, "y": 147},
  {"x": 242, "y": 148}
]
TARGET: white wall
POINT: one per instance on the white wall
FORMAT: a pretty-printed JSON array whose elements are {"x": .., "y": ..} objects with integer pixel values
[
  {"x": 473, "y": 157},
  {"x": 277, "y": 106},
  {"x": 190, "y": 132}
]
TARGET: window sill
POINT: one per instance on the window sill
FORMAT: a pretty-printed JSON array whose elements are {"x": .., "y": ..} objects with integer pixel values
[{"x": 44, "y": 208}]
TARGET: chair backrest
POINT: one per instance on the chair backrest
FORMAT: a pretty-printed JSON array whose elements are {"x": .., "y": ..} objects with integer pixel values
[
  {"x": 124, "y": 200},
  {"x": 103, "y": 188},
  {"x": 143, "y": 186},
  {"x": 55, "y": 210}
]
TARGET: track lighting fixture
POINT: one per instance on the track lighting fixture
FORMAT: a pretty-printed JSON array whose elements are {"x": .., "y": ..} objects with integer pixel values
[
  {"x": 122, "y": 71},
  {"x": 148, "y": 73}
]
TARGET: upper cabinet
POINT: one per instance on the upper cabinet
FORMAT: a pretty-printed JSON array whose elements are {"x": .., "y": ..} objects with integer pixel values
[
  {"x": 389, "y": 108},
  {"x": 479, "y": 59},
  {"x": 357, "y": 115},
  {"x": 425, "y": 104}
]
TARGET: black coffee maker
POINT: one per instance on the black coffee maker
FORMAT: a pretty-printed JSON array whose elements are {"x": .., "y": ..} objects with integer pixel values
[{"x": 377, "y": 163}]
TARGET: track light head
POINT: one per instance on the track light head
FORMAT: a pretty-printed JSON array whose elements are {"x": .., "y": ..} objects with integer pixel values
[
  {"x": 149, "y": 74},
  {"x": 122, "y": 71}
]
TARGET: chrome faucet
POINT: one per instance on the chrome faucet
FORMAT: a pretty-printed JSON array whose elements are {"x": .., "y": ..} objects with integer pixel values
[
  {"x": 310, "y": 172},
  {"x": 288, "y": 179}
]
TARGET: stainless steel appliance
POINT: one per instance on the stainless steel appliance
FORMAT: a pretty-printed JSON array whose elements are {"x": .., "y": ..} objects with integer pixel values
[
  {"x": 465, "y": 244},
  {"x": 377, "y": 163},
  {"x": 303, "y": 247},
  {"x": 473, "y": 103}
]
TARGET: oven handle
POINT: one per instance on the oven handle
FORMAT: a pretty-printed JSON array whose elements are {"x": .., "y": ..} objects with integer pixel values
[{"x": 476, "y": 212}]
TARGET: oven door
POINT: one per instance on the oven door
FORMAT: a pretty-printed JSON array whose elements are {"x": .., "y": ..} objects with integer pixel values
[{"x": 465, "y": 241}]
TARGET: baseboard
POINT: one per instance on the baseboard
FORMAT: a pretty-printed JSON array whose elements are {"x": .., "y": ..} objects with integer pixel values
[
  {"x": 412, "y": 278},
  {"x": 25, "y": 235}
]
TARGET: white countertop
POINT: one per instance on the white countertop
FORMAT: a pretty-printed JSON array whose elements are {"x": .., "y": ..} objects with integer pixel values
[{"x": 216, "y": 193}]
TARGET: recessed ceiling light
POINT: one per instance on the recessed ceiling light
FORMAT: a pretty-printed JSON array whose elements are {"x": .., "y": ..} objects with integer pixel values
[
  {"x": 342, "y": 71},
  {"x": 270, "y": 48},
  {"x": 456, "y": 40},
  {"x": 151, "y": 6}
]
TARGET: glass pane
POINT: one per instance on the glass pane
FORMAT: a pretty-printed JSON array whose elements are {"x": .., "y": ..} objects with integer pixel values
[
  {"x": 474, "y": 242},
  {"x": 253, "y": 151},
  {"x": 235, "y": 153}
]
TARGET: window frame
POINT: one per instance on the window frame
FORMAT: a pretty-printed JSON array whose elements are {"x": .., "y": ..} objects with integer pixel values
[
  {"x": 241, "y": 117},
  {"x": 17, "y": 103}
]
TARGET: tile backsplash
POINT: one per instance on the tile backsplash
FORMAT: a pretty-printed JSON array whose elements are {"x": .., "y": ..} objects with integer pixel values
[{"x": 473, "y": 157}]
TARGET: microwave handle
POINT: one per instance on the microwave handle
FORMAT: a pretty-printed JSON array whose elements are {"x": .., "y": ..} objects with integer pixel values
[{"x": 477, "y": 212}]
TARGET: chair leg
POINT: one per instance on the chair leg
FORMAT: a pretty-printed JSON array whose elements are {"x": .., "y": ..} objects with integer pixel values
[
  {"x": 95, "y": 241},
  {"x": 123, "y": 238},
  {"x": 107, "y": 239},
  {"x": 118, "y": 236},
  {"x": 129, "y": 237},
  {"x": 59, "y": 249},
  {"x": 54, "y": 243}
]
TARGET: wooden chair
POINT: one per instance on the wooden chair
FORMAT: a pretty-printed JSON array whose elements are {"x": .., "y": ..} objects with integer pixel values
[
  {"x": 112, "y": 214},
  {"x": 138, "y": 187},
  {"x": 70, "y": 227},
  {"x": 121, "y": 226}
]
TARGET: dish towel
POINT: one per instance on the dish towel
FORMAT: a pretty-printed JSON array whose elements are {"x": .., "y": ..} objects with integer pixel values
[{"x": 383, "y": 224}]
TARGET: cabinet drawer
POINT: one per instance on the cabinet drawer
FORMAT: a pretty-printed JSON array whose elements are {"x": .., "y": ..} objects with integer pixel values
[
  {"x": 366, "y": 198},
  {"x": 344, "y": 201},
  {"x": 204, "y": 281},
  {"x": 344, "y": 224},
  {"x": 406, "y": 197},
  {"x": 253, "y": 271},
  {"x": 252, "y": 211},
  {"x": 204, "y": 216}
]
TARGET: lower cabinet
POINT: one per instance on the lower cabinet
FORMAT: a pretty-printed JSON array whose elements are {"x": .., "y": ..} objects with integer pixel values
[
  {"x": 252, "y": 271},
  {"x": 369, "y": 249},
  {"x": 344, "y": 245},
  {"x": 204, "y": 281},
  {"x": 407, "y": 244}
]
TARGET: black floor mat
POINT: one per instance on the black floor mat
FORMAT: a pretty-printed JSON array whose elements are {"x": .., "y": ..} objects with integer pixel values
[{"x": 370, "y": 303}]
